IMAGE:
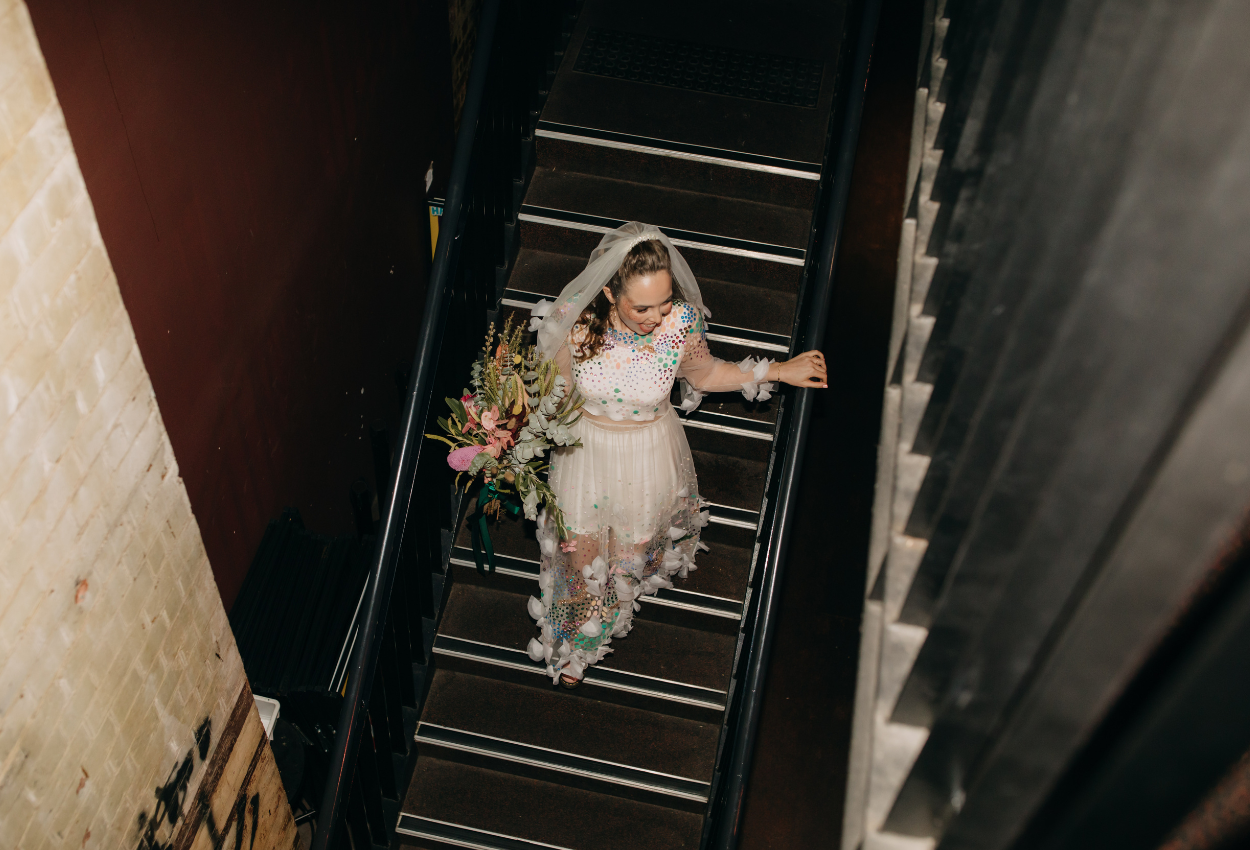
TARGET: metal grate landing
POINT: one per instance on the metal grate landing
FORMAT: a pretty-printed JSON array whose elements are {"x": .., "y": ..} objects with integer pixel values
[{"x": 700, "y": 67}]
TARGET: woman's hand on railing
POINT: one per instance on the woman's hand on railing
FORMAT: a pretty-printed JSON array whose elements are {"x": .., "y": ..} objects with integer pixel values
[{"x": 806, "y": 370}]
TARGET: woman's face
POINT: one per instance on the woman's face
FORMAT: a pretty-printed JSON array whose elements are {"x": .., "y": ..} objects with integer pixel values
[{"x": 645, "y": 301}]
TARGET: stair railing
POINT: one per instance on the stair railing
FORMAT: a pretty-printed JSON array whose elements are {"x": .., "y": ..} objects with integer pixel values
[
  {"x": 722, "y": 829},
  {"x": 517, "y": 41}
]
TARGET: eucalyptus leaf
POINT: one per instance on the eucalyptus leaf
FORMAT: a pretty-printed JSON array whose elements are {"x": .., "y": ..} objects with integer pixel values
[
  {"x": 479, "y": 461},
  {"x": 457, "y": 409}
]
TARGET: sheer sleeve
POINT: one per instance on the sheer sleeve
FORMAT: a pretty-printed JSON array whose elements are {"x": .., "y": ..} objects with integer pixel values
[
  {"x": 707, "y": 374},
  {"x": 564, "y": 360}
]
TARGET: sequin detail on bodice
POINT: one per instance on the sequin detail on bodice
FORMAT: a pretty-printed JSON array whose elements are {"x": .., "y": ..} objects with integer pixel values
[{"x": 632, "y": 376}]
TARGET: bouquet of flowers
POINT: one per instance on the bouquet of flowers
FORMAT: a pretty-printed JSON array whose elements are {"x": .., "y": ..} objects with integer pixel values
[{"x": 517, "y": 410}]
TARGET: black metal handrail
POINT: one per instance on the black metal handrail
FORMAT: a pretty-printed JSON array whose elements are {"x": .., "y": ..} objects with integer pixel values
[
  {"x": 815, "y": 299},
  {"x": 512, "y": 53}
]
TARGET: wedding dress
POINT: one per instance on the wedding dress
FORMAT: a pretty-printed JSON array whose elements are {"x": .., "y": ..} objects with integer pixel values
[{"x": 629, "y": 493}]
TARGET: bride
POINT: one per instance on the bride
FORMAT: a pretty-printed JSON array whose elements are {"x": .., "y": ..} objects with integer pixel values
[{"x": 623, "y": 331}]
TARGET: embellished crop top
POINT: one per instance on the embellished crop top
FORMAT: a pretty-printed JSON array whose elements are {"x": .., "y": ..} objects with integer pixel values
[{"x": 632, "y": 376}]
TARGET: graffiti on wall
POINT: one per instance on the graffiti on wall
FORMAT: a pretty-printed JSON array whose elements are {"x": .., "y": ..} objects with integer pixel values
[{"x": 171, "y": 798}]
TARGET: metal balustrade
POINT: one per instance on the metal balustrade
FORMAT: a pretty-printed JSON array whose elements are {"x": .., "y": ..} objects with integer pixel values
[{"x": 518, "y": 42}]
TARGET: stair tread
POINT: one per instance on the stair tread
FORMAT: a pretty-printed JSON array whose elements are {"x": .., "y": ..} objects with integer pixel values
[
  {"x": 660, "y": 650},
  {"x": 676, "y": 208},
  {"x": 728, "y": 480},
  {"x": 679, "y": 166},
  {"x": 545, "y": 812},
  {"x": 735, "y": 304},
  {"x": 722, "y": 570},
  {"x": 734, "y": 404},
  {"x": 557, "y": 720}
]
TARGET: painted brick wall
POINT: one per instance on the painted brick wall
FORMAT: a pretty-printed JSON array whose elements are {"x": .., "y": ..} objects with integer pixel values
[{"x": 123, "y": 701}]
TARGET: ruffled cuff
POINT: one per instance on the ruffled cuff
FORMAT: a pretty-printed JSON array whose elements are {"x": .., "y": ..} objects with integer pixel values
[
  {"x": 690, "y": 397},
  {"x": 755, "y": 388},
  {"x": 539, "y": 312}
]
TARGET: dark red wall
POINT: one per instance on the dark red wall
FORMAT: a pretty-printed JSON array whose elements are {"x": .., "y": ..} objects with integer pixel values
[{"x": 257, "y": 172}]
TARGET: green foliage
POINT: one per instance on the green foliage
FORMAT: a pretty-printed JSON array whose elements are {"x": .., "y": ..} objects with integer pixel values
[{"x": 534, "y": 410}]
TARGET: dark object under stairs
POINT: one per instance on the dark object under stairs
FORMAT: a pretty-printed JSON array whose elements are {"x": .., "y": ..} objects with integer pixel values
[{"x": 506, "y": 760}]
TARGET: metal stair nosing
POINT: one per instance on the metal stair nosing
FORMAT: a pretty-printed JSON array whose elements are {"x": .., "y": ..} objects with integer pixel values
[
  {"x": 705, "y": 701},
  {"x": 457, "y": 835},
  {"x": 698, "y": 240},
  {"x": 575, "y": 769},
  {"x": 679, "y": 150}
]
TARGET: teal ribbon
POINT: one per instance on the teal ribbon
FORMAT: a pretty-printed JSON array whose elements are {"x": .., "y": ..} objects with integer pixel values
[{"x": 479, "y": 532}]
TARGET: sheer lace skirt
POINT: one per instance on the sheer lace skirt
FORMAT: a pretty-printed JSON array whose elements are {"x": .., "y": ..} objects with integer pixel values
[{"x": 631, "y": 502}]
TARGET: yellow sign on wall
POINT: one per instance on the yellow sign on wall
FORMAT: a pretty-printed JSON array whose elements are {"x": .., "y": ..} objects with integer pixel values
[{"x": 436, "y": 212}]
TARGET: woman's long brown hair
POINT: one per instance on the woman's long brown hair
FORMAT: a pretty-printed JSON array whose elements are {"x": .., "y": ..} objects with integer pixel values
[{"x": 645, "y": 258}]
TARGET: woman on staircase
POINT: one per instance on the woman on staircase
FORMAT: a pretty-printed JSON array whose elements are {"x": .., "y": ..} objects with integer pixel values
[{"x": 623, "y": 331}]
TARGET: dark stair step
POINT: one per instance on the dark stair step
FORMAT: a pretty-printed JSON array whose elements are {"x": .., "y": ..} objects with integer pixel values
[
  {"x": 676, "y": 165},
  {"x": 736, "y": 406},
  {"x": 741, "y": 438},
  {"x": 458, "y": 805},
  {"x": 549, "y": 735},
  {"x": 746, "y": 225},
  {"x": 658, "y": 666},
  {"x": 730, "y": 481}
]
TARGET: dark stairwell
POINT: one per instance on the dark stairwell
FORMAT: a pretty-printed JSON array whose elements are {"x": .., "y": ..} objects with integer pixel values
[
  {"x": 633, "y": 752},
  {"x": 737, "y": 136}
]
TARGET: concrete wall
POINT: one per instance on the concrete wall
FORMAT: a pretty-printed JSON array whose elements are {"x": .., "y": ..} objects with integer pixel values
[
  {"x": 125, "y": 715},
  {"x": 882, "y": 751},
  {"x": 1060, "y": 539}
]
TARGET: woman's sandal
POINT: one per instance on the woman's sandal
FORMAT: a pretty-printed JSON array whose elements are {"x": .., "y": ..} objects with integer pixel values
[{"x": 569, "y": 682}]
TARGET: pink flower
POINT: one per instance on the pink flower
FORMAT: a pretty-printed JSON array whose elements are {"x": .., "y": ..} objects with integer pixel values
[
  {"x": 490, "y": 418},
  {"x": 470, "y": 413},
  {"x": 492, "y": 449},
  {"x": 568, "y": 545},
  {"x": 460, "y": 459}
]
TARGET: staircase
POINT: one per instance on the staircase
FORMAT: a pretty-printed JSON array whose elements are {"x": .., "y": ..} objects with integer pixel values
[{"x": 716, "y": 134}]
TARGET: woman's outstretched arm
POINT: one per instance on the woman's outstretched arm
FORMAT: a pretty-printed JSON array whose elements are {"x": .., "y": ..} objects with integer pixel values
[{"x": 709, "y": 374}]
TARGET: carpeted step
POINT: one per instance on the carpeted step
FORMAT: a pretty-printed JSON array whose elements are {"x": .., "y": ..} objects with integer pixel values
[
  {"x": 758, "y": 226},
  {"x": 674, "y": 165},
  {"x": 458, "y": 805},
  {"x": 548, "y": 734}
]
